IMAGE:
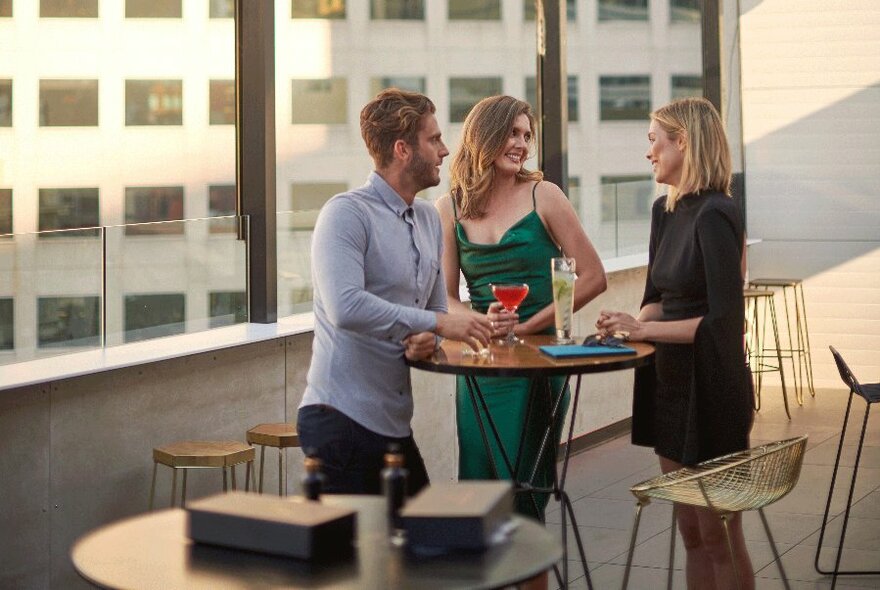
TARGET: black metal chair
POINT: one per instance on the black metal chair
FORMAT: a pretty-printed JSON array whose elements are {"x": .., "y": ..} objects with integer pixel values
[{"x": 871, "y": 394}]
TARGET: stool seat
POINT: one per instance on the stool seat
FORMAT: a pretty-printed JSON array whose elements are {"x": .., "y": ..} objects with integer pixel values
[
  {"x": 198, "y": 453},
  {"x": 775, "y": 282},
  {"x": 201, "y": 454},
  {"x": 281, "y": 435},
  {"x": 756, "y": 293}
]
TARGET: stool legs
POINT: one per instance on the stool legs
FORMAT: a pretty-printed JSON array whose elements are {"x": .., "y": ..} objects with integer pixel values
[
  {"x": 805, "y": 342},
  {"x": 281, "y": 478},
  {"x": 262, "y": 464},
  {"x": 183, "y": 491},
  {"x": 153, "y": 485}
]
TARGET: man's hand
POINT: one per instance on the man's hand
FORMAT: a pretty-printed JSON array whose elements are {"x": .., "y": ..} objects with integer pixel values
[
  {"x": 469, "y": 327},
  {"x": 419, "y": 346}
]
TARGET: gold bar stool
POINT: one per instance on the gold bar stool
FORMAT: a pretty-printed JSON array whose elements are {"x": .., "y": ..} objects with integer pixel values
[
  {"x": 760, "y": 305},
  {"x": 280, "y": 436},
  {"x": 197, "y": 454},
  {"x": 802, "y": 334}
]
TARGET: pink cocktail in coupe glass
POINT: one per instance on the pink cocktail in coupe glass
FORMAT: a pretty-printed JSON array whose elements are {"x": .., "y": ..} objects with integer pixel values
[{"x": 510, "y": 295}]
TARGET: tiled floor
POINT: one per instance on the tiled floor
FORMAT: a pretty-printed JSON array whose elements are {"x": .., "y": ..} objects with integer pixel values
[{"x": 599, "y": 481}]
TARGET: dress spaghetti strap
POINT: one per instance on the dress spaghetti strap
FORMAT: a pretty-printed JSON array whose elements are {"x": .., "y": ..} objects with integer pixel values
[{"x": 534, "y": 203}]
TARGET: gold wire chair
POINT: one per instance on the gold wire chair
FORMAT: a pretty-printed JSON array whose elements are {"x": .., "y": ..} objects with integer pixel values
[{"x": 746, "y": 480}]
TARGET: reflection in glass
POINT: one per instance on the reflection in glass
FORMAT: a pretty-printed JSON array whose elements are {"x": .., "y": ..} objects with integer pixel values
[
  {"x": 221, "y": 203},
  {"x": 68, "y": 103},
  {"x": 411, "y": 83},
  {"x": 317, "y": 9},
  {"x": 154, "y": 315},
  {"x": 69, "y": 8},
  {"x": 684, "y": 11},
  {"x": 7, "y": 321},
  {"x": 227, "y": 308},
  {"x": 623, "y": 10},
  {"x": 474, "y": 9},
  {"x": 570, "y": 10},
  {"x": 685, "y": 86},
  {"x": 147, "y": 204},
  {"x": 68, "y": 208},
  {"x": 154, "y": 102},
  {"x": 464, "y": 93},
  {"x": 152, "y": 9},
  {"x": 221, "y": 9},
  {"x": 5, "y": 211},
  {"x": 222, "y": 102},
  {"x": 320, "y": 100},
  {"x": 625, "y": 98},
  {"x": 532, "y": 98},
  {"x": 68, "y": 321},
  {"x": 397, "y": 9}
]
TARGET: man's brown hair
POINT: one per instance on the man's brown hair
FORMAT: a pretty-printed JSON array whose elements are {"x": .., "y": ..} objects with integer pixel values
[{"x": 394, "y": 114}]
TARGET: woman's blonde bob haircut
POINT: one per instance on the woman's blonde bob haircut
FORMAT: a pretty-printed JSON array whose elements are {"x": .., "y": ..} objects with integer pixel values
[
  {"x": 706, "y": 165},
  {"x": 483, "y": 138}
]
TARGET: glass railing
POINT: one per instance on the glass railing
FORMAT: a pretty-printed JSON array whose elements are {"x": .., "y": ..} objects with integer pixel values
[
  {"x": 616, "y": 217},
  {"x": 74, "y": 290},
  {"x": 294, "y": 232}
]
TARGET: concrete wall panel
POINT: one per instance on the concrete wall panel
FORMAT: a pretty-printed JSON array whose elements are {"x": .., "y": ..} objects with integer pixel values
[{"x": 24, "y": 488}]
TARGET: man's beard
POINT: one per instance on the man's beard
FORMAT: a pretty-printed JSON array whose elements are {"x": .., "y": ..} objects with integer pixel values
[{"x": 422, "y": 172}]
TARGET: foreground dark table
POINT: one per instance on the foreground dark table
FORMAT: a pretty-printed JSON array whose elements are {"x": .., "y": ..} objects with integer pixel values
[
  {"x": 152, "y": 551},
  {"x": 526, "y": 360}
]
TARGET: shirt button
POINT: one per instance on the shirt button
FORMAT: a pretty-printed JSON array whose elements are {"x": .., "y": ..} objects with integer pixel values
[{"x": 417, "y": 300}]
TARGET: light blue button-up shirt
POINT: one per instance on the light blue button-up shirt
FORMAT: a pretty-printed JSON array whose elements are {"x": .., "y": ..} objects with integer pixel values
[{"x": 377, "y": 279}]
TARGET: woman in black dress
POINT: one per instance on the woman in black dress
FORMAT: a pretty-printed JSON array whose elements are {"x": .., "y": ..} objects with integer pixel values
[{"x": 694, "y": 403}]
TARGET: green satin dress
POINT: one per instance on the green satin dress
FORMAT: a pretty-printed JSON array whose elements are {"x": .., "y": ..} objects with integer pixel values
[{"x": 521, "y": 256}]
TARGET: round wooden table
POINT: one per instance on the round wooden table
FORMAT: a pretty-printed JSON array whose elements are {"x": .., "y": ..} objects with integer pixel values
[
  {"x": 153, "y": 551},
  {"x": 527, "y": 360}
]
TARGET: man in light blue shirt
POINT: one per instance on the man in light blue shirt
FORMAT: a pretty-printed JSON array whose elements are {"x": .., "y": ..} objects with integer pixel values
[{"x": 379, "y": 297}]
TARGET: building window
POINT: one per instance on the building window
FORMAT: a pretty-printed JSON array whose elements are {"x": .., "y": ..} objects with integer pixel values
[
  {"x": 5, "y": 8},
  {"x": 397, "y": 10},
  {"x": 152, "y": 9},
  {"x": 627, "y": 197},
  {"x": 221, "y": 9},
  {"x": 574, "y": 193},
  {"x": 323, "y": 100},
  {"x": 684, "y": 11},
  {"x": 570, "y": 10},
  {"x": 68, "y": 321},
  {"x": 67, "y": 209},
  {"x": 334, "y": 9},
  {"x": 154, "y": 102},
  {"x": 623, "y": 10},
  {"x": 411, "y": 83},
  {"x": 532, "y": 97},
  {"x": 5, "y": 211},
  {"x": 68, "y": 103},
  {"x": 227, "y": 308},
  {"x": 684, "y": 86},
  {"x": 7, "y": 323},
  {"x": 625, "y": 98},
  {"x": 69, "y": 8},
  {"x": 221, "y": 203},
  {"x": 464, "y": 93},
  {"x": 5, "y": 103},
  {"x": 154, "y": 316},
  {"x": 144, "y": 205},
  {"x": 474, "y": 9},
  {"x": 222, "y": 102}
]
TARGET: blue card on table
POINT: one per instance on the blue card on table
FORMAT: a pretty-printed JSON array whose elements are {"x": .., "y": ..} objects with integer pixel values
[{"x": 569, "y": 351}]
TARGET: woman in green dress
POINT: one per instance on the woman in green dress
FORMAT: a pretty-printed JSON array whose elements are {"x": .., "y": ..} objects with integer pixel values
[{"x": 503, "y": 223}]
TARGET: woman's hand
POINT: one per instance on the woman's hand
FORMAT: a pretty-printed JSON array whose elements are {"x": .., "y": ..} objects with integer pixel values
[
  {"x": 612, "y": 323},
  {"x": 501, "y": 320}
]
